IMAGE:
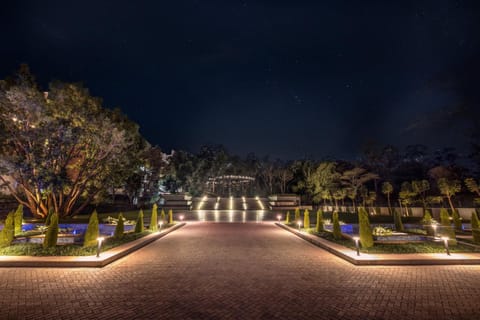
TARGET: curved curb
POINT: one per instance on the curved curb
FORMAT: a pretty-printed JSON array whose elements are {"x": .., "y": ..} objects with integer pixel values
[
  {"x": 410, "y": 259},
  {"x": 105, "y": 258}
]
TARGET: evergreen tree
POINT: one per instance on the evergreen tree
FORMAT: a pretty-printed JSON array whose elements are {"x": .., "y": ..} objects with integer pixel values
[
  {"x": 18, "y": 219},
  {"x": 475, "y": 227},
  {"x": 139, "y": 225},
  {"x": 445, "y": 218},
  {"x": 154, "y": 219},
  {"x": 306, "y": 219},
  {"x": 457, "y": 221},
  {"x": 297, "y": 215},
  {"x": 162, "y": 217},
  {"x": 365, "y": 230},
  {"x": 8, "y": 232},
  {"x": 447, "y": 230},
  {"x": 51, "y": 235},
  {"x": 287, "y": 218},
  {"x": 319, "y": 226},
  {"x": 91, "y": 235},
  {"x": 427, "y": 217},
  {"x": 170, "y": 216},
  {"x": 398, "y": 220},
  {"x": 119, "y": 229},
  {"x": 337, "y": 231}
]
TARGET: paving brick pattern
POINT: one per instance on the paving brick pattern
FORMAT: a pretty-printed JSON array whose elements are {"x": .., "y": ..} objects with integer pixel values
[{"x": 239, "y": 271}]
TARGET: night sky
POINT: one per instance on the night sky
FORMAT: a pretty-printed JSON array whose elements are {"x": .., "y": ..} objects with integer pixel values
[{"x": 285, "y": 78}]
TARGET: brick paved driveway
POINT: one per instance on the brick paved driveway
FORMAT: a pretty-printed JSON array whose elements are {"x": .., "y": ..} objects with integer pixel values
[{"x": 239, "y": 271}]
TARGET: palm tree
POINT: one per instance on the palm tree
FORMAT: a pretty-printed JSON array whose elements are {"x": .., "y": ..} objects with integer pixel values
[{"x": 387, "y": 190}]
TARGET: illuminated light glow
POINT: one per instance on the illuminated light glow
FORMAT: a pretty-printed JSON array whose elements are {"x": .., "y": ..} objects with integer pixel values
[
  {"x": 231, "y": 203},
  {"x": 244, "y": 216},
  {"x": 200, "y": 205},
  {"x": 244, "y": 206},
  {"x": 230, "y": 216},
  {"x": 243, "y": 199},
  {"x": 99, "y": 247},
  {"x": 357, "y": 247}
]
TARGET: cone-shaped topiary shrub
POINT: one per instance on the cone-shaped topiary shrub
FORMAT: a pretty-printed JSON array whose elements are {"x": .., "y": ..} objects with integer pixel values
[
  {"x": 162, "y": 216},
  {"x": 427, "y": 217},
  {"x": 457, "y": 221},
  {"x": 8, "y": 232},
  {"x": 119, "y": 229},
  {"x": 48, "y": 217},
  {"x": 319, "y": 227},
  {"x": 139, "y": 225},
  {"x": 306, "y": 219},
  {"x": 18, "y": 218},
  {"x": 287, "y": 217},
  {"x": 170, "y": 216},
  {"x": 446, "y": 230},
  {"x": 397, "y": 217},
  {"x": 475, "y": 227},
  {"x": 337, "y": 231},
  {"x": 297, "y": 215},
  {"x": 91, "y": 235},
  {"x": 365, "y": 230},
  {"x": 52, "y": 232},
  {"x": 154, "y": 219}
]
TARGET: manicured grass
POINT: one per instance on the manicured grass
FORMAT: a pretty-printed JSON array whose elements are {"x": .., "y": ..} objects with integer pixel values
[
  {"x": 410, "y": 247},
  {"x": 33, "y": 249}
]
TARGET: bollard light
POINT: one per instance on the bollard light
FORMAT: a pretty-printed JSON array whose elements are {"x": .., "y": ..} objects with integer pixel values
[
  {"x": 160, "y": 225},
  {"x": 99, "y": 241},
  {"x": 279, "y": 217},
  {"x": 357, "y": 239},
  {"x": 181, "y": 217},
  {"x": 299, "y": 222},
  {"x": 434, "y": 227},
  {"x": 445, "y": 243}
]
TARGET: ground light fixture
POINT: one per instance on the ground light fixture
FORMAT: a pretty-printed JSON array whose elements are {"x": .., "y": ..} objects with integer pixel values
[
  {"x": 299, "y": 222},
  {"x": 99, "y": 246},
  {"x": 445, "y": 243},
  {"x": 279, "y": 217},
  {"x": 357, "y": 239}
]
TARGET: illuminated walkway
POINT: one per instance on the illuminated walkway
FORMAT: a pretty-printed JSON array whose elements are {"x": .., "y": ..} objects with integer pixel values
[{"x": 239, "y": 271}]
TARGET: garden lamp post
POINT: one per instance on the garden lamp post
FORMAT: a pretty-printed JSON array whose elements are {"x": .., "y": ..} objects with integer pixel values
[
  {"x": 356, "y": 239},
  {"x": 99, "y": 241},
  {"x": 299, "y": 222},
  {"x": 160, "y": 225},
  {"x": 279, "y": 217},
  {"x": 434, "y": 227},
  {"x": 445, "y": 243}
]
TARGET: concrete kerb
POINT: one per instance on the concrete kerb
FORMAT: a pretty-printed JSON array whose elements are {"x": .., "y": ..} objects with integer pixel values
[
  {"x": 105, "y": 258},
  {"x": 386, "y": 259}
]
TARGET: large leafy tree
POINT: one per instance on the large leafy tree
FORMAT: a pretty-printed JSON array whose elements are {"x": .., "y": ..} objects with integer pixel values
[{"x": 61, "y": 147}]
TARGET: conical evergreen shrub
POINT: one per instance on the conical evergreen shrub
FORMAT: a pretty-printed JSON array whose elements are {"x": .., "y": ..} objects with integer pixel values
[
  {"x": 18, "y": 219},
  {"x": 170, "y": 216},
  {"x": 119, "y": 229},
  {"x": 446, "y": 229},
  {"x": 427, "y": 217},
  {"x": 365, "y": 230},
  {"x": 162, "y": 217},
  {"x": 397, "y": 220},
  {"x": 475, "y": 227},
  {"x": 319, "y": 227},
  {"x": 306, "y": 219},
  {"x": 287, "y": 217},
  {"x": 8, "y": 232},
  {"x": 445, "y": 218},
  {"x": 297, "y": 215},
  {"x": 139, "y": 225},
  {"x": 91, "y": 235},
  {"x": 457, "y": 221},
  {"x": 51, "y": 235},
  {"x": 48, "y": 217},
  {"x": 154, "y": 219},
  {"x": 337, "y": 231}
]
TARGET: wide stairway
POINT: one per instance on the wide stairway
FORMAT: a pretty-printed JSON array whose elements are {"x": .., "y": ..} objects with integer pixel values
[{"x": 229, "y": 203}]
